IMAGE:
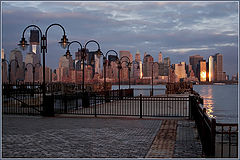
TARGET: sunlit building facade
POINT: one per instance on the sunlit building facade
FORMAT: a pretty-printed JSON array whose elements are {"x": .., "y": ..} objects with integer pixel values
[
  {"x": 180, "y": 70},
  {"x": 203, "y": 71},
  {"x": 211, "y": 69}
]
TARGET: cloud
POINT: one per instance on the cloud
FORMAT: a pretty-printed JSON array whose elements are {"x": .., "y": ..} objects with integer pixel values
[{"x": 175, "y": 28}]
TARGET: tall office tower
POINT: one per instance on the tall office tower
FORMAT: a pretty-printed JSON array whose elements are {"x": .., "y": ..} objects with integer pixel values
[
  {"x": 64, "y": 67},
  {"x": 161, "y": 69},
  {"x": 180, "y": 70},
  {"x": 34, "y": 44},
  {"x": 17, "y": 73},
  {"x": 194, "y": 61},
  {"x": 218, "y": 68},
  {"x": 155, "y": 70},
  {"x": 203, "y": 71},
  {"x": 78, "y": 55},
  {"x": 166, "y": 63},
  {"x": 35, "y": 48},
  {"x": 140, "y": 69},
  {"x": 136, "y": 67},
  {"x": 124, "y": 72},
  {"x": 147, "y": 66},
  {"x": 3, "y": 54},
  {"x": 91, "y": 60},
  {"x": 160, "y": 57},
  {"x": 210, "y": 69},
  {"x": 32, "y": 59},
  {"x": 127, "y": 54},
  {"x": 97, "y": 64},
  {"x": 4, "y": 67},
  {"x": 137, "y": 56}
]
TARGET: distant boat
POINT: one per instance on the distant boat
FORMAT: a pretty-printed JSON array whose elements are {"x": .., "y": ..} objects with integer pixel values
[{"x": 219, "y": 83}]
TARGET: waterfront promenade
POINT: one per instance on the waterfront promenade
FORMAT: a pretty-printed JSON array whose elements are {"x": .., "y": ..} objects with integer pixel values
[{"x": 72, "y": 136}]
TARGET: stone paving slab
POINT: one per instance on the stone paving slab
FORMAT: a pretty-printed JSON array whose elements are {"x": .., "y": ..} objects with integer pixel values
[
  {"x": 42, "y": 137},
  {"x": 163, "y": 144},
  {"x": 188, "y": 144}
]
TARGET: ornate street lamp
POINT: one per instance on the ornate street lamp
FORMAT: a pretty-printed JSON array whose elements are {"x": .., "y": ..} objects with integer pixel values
[
  {"x": 105, "y": 58},
  {"x": 68, "y": 54},
  {"x": 9, "y": 68},
  {"x": 120, "y": 62},
  {"x": 84, "y": 55},
  {"x": 23, "y": 44},
  {"x": 129, "y": 69}
]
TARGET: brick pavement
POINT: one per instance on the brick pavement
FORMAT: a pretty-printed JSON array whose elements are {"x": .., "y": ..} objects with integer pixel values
[
  {"x": 164, "y": 142},
  {"x": 42, "y": 137},
  {"x": 188, "y": 144}
]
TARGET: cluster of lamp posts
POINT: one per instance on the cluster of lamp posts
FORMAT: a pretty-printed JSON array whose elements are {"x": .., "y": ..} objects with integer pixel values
[{"x": 66, "y": 44}]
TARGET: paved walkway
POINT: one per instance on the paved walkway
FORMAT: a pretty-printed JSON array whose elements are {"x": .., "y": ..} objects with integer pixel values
[{"x": 42, "y": 137}]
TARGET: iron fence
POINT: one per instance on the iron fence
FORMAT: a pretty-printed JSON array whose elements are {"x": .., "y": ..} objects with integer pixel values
[
  {"x": 123, "y": 106},
  {"x": 218, "y": 139},
  {"x": 22, "y": 99}
]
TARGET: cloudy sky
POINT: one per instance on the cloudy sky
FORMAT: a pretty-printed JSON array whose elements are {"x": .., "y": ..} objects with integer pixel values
[{"x": 177, "y": 29}]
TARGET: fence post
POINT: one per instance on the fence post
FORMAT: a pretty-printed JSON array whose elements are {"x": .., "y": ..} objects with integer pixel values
[
  {"x": 190, "y": 107},
  {"x": 213, "y": 136},
  {"x": 65, "y": 103},
  {"x": 76, "y": 100},
  {"x": 95, "y": 105},
  {"x": 140, "y": 105}
]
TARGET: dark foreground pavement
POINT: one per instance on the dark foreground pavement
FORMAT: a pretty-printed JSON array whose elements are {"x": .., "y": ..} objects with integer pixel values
[{"x": 42, "y": 137}]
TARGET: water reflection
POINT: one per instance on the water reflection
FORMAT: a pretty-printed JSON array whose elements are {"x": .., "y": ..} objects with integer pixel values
[{"x": 208, "y": 100}]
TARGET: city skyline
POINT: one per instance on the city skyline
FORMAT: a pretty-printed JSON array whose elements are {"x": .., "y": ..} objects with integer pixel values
[{"x": 191, "y": 28}]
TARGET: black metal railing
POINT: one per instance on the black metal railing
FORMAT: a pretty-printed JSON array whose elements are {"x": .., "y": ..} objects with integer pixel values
[
  {"x": 22, "y": 99},
  {"x": 218, "y": 139},
  {"x": 123, "y": 106}
]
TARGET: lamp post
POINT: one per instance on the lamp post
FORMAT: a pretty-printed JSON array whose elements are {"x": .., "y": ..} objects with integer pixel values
[
  {"x": 129, "y": 70},
  {"x": 23, "y": 43},
  {"x": 105, "y": 58},
  {"x": 68, "y": 54},
  {"x": 152, "y": 76},
  {"x": 9, "y": 68},
  {"x": 120, "y": 67},
  {"x": 83, "y": 55},
  {"x": 33, "y": 70}
]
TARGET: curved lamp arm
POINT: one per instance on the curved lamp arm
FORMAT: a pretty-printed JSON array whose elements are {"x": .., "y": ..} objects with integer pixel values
[
  {"x": 64, "y": 41},
  {"x": 68, "y": 51},
  {"x": 23, "y": 43}
]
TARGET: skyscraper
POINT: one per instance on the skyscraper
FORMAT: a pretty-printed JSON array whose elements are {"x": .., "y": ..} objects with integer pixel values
[
  {"x": 147, "y": 66},
  {"x": 180, "y": 70},
  {"x": 194, "y": 61},
  {"x": 211, "y": 69},
  {"x": 166, "y": 64},
  {"x": 127, "y": 54},
  {"x": 17, "y": 73},
  {"x": 203, "y": 71},
  {"x": 64, "y": 67},
  {"x": 137, "y": 56},
  {"x": 34, "y": 44},
  {"x": 137, "y": 68},
  {"x": 32, "y": 59},
  {"x": 34, "y": 48},
  {"x": 2, "y": 54},
  {"x": 160, "y": 57},
  {"x": 4, "y": 67},
  {"x": 218, "y": 68}
]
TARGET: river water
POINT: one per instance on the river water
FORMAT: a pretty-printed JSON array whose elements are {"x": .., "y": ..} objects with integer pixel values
[{"x": 221, "y": 101}]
